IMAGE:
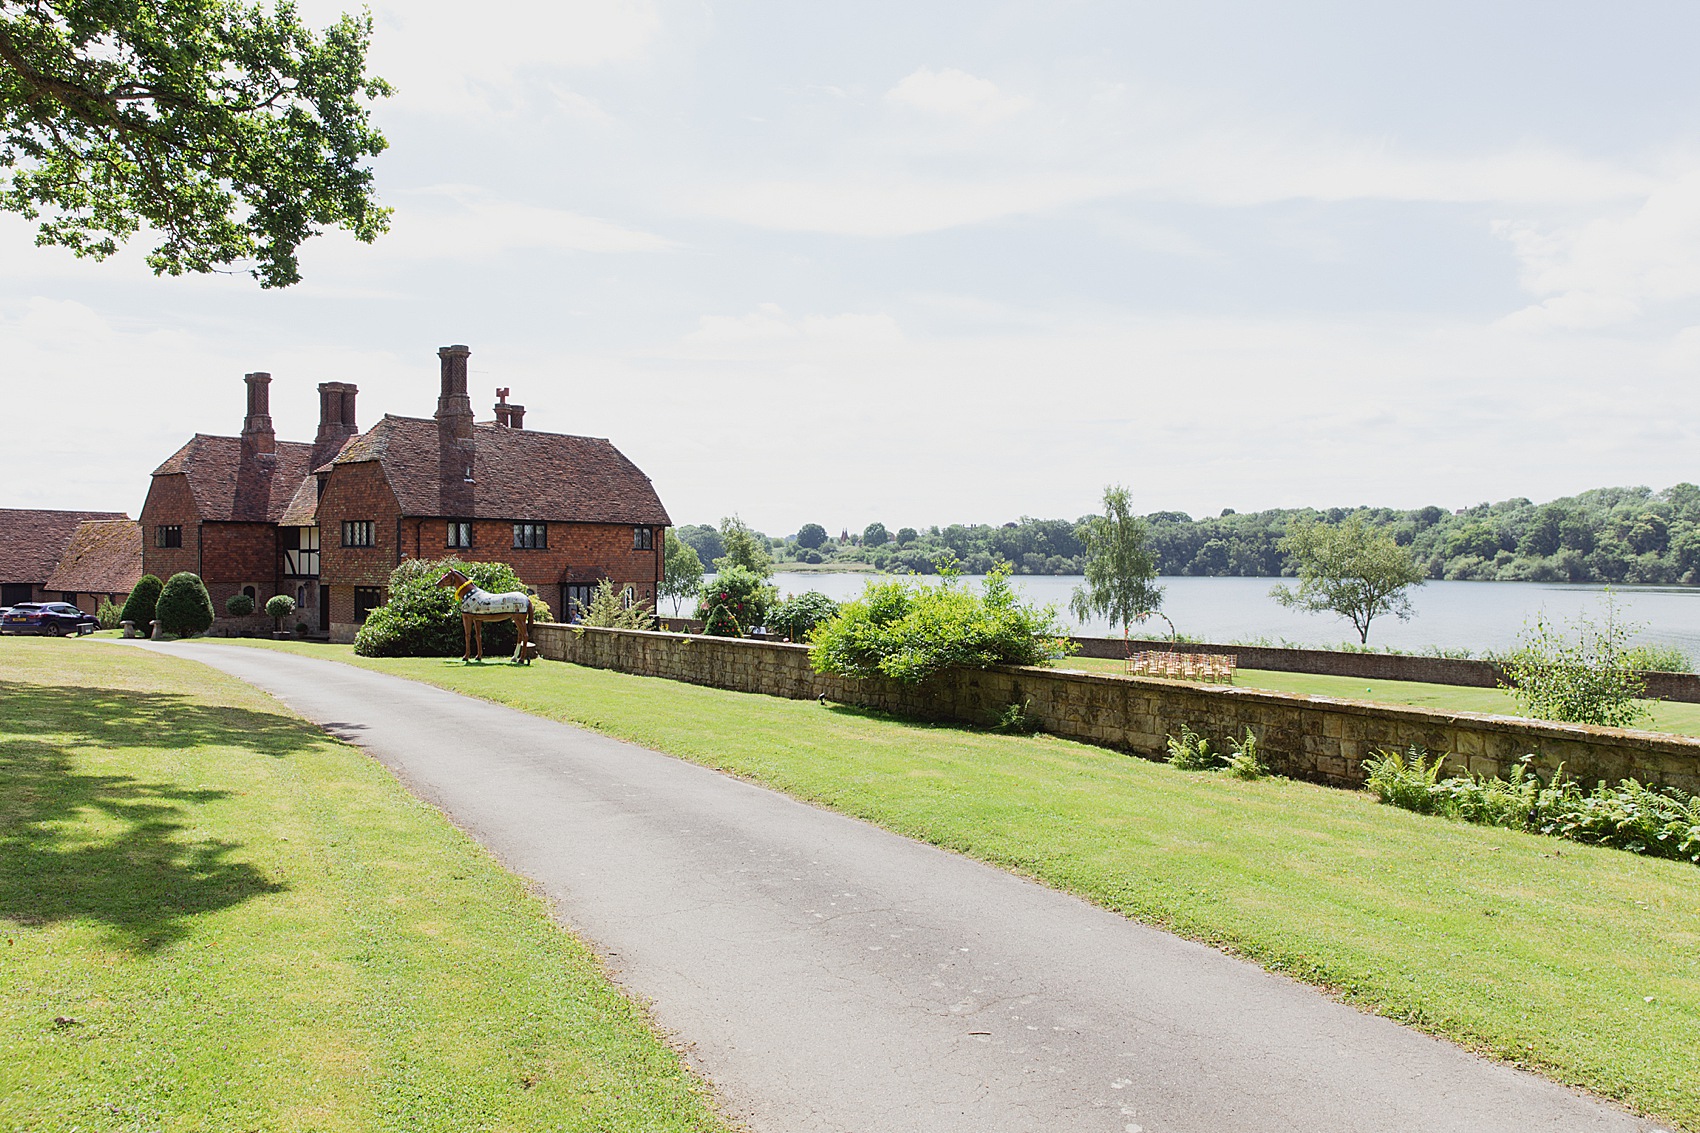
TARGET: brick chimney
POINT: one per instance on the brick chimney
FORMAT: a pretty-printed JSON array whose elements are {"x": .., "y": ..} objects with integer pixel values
[
  {"x": 257, "y": 433},
  {"x": 336, "y": 419},
  {"x": 508, "y": 416},
  {"x": 454, "y": 407}
]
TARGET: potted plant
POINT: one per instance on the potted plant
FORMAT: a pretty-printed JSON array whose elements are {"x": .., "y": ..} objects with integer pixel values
[{"x": 279, "y": 607}]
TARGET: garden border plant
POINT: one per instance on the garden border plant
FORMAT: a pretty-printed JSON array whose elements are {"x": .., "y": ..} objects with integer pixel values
[{"x": 1661, "y": 822}]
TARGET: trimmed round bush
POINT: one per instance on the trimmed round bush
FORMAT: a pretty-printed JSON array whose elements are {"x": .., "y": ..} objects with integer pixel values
[
  {"x": 185, "y": 608},
  {"x": 279, "y": 606},
  {"x": 800, "y": 613},
  {"x": 239, "y": 605},
  {"x": 420, "y": 618},
  {"x": 139, "y": 606}
]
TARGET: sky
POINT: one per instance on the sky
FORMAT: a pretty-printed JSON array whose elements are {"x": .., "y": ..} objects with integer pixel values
[{"x": 931, "y": 262}]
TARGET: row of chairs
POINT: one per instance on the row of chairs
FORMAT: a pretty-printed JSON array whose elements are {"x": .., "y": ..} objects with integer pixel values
[{"x": 1215, "y": 668}]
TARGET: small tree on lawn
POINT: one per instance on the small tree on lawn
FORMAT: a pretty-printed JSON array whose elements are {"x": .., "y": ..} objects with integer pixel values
[
  {"x": 1120, "y": 574},
  {"x": 278, "y": 607},
  {"x": 1350, "y": 569},
  {"x": 1588, "y": 678},
  {"x": 185, "y": 608},
  {"x": 682, "y": 570}
]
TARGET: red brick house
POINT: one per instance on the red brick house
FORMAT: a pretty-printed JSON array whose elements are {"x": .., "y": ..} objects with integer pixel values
[
  {"x": 214, "y": 507},
  {"x": 337, "y": 516},
  {"x": 68, "y": 556}
]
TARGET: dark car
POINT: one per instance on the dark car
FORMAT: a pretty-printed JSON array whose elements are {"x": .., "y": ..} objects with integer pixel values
[{"x": 52, "y": 618}]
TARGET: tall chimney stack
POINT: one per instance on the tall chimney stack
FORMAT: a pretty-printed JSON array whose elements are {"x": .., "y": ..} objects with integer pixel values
[
  {"x": 454, "y": 407},
  {"x": 257, "y": 433},
  {"x": 336, "y": 419}
]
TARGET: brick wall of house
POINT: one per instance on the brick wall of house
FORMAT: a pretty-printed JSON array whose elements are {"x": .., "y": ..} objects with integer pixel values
[
  {"x": 355, "y": 492},
  {"x": 170, "y": 502},
  {"x": 235, "y": 555}
]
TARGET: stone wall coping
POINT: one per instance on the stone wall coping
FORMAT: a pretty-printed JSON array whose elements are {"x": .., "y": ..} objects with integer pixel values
[{"x": 1544, "y": 729}]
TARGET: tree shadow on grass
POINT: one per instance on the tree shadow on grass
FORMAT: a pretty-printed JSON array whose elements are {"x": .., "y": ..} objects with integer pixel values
[{"x": 111, "y": 848}]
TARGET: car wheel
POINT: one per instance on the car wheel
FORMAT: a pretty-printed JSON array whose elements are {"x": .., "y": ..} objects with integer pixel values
[{"x": 54, "y": 629}]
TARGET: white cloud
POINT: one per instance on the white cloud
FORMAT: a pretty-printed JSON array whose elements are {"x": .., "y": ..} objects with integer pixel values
[
  {"x": 896, "y": 206},
  {"x": 1609, "y": 269},
  {"x": 954, "y": 94},
  {"x": 453, "y": 58},
  {"x": 769, "y": 323}
]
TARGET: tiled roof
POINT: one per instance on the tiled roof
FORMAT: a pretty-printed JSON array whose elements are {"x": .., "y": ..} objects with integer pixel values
[
  {"x": 231, "y": 486},
  {"x": 103, "y": 557},
  {"x": 517, "y": 474},
  {"x": 32, "y": 542},
  {"x": 303, "y": 506}
]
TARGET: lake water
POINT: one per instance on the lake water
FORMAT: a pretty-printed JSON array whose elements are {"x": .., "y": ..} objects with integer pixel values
[{"x": 1470, "y": 615}]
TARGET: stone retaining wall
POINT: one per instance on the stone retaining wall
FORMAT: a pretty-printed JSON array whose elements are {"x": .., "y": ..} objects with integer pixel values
[
  {"x": 1308, "y": 737},
  {"x": 1684, "y": 687}
]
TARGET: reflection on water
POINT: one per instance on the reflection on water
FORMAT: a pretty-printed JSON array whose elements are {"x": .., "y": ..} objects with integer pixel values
[{"x": 1452, "y": 615}]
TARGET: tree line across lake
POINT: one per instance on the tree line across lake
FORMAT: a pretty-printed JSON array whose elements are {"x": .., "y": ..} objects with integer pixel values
[{"x": 1617, "y": 535}]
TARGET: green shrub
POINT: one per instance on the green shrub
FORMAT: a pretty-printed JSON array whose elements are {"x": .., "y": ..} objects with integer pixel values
[
  {"x": 1663, "y": 822},
  {"x": 608, "y": 609},
  {"x": 1191, "y": 752},
  {"x": 1659, "y": 659},
  {"x": 278, "y": 607},
  {"x": 421, "y": 619},
  {"x": 1590, "y": 678},
  {"x": 107, "y": 615},
  {"x": 908, "y": 630},
  {"x": 141, "y": 605},
  {"x": 238, "y": 605},
  {"x": 799, "y": 614},
  {"x": 735, "y": 601},
  {"x": 185, "y": 608}
]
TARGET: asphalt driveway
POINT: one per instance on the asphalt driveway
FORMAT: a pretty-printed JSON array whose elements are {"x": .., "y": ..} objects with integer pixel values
[{"x": 827, "y": 975}]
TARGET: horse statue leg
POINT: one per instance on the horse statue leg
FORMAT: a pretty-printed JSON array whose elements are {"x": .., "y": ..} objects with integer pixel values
[
  {"x": 522, "y": 628},
  {"x": 465, "y": 639}
]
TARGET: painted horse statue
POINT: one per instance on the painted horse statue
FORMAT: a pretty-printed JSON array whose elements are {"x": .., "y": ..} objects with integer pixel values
[{"x": 479, "y": 606}]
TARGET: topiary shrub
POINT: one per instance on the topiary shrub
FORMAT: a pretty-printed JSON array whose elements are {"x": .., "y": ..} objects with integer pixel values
[
  {"x": 420, "y": 619},
  {"x": 239, "y": 605},
  {"x": 185, "y": 608},
  {"x": 140, "y": 605},
  {"x": 278, "y": 607}
]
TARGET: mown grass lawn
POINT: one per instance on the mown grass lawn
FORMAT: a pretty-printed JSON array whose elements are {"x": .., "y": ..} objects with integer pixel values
[
  {"x": 217, "y": 918},
  {"x": 1667, "y": 716},
  {"x": 1581, "y": 962}
]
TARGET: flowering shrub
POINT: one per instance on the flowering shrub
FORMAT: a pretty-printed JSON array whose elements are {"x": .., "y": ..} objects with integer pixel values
[{"x": 735, "y": 601}]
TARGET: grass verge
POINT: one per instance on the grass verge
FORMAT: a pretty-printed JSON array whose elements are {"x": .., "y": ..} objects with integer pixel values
[
  {"x": 1581, "y": 962},
  {"x": 215, "y": 917}
]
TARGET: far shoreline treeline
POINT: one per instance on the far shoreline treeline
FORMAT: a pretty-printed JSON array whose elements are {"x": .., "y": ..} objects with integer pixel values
[{"x": 1604, "y": 535}]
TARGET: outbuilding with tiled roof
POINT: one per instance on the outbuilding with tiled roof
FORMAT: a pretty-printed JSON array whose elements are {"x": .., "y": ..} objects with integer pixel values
[{"x": 67, "y": 556}]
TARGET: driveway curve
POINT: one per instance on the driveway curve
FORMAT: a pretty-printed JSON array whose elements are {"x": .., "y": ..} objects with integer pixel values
[{"x": 828, "y": 975}]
